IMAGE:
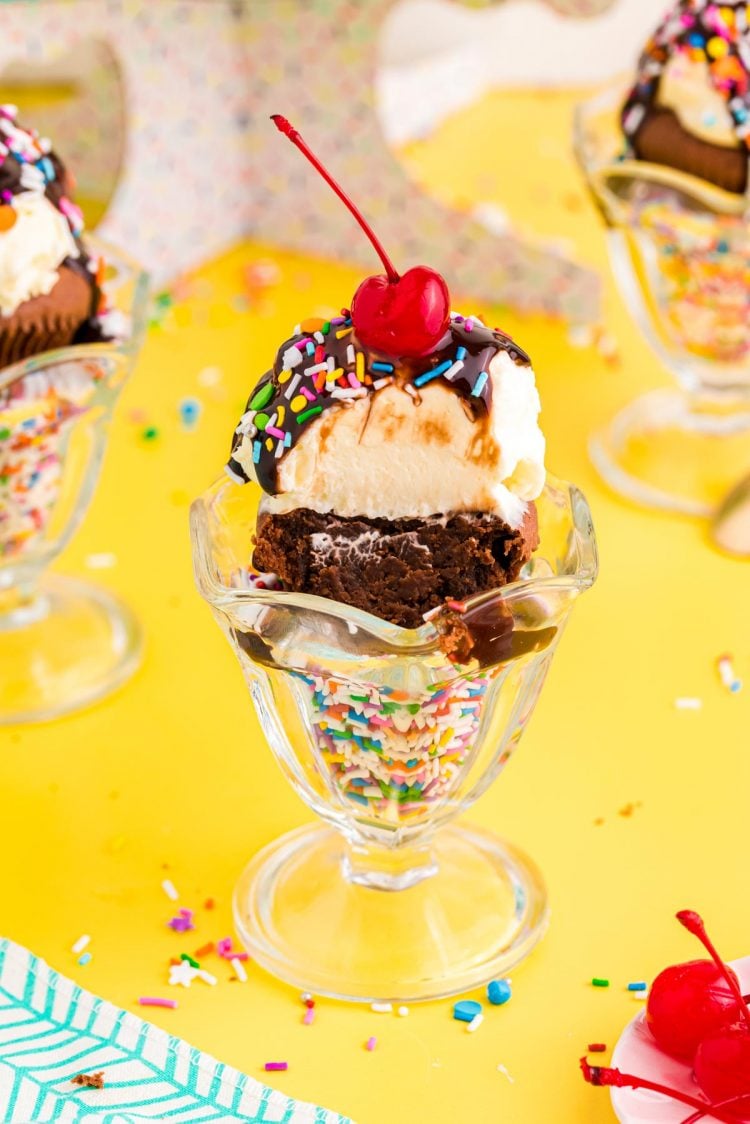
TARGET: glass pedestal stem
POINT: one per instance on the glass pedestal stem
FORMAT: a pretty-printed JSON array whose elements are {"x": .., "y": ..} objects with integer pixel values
[{"x": 381, "y": 867}]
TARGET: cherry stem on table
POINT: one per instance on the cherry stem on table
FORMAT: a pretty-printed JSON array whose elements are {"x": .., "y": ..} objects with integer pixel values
[
  {"x": 289, "y": 131},
  {"x": 694, "y": 924},
  {"x": 607, "y": 1076}
]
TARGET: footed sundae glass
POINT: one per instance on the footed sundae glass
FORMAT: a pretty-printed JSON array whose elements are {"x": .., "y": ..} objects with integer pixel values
[
  {"x": 680, "y": 252},
  {"x": 387, "y": 740},
  {"x": 63, "y": 643}
]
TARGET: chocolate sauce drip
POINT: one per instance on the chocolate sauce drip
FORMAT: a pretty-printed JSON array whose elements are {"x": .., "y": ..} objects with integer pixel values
[{"x": 306, "y": 390}]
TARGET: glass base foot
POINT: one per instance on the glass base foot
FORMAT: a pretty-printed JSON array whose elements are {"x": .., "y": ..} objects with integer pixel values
[
  {"x": 68, "y": 647},
  {"x": 670, "y": 451},
  {"x": 472, "y": 921}
]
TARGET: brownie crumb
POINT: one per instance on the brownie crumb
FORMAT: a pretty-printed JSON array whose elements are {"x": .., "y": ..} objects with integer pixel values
[{"x": 89, "y": 1080}]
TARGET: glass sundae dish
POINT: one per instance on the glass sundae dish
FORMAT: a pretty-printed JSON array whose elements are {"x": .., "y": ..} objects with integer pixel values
[{"x": 412, "y": 571}]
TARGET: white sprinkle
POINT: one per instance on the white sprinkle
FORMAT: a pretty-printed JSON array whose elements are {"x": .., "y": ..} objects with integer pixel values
[
  {"x": 239, "y": 969},
  {"x": 169, "y": 889},
  {"x": 451, "y": 373},
  {"x": 727, "y": 675},
  {"x": 314, "y": 370},
  {"x": 380, "y": 383},
  {"x": 210, "y": 376},
  {"x": 318, "y": 337},
  {"x": 102, "y": 561},
  {"x": 339, "y": 392},
  {"x": 331, "y": 363},
  {"x": 475, "y": 1023},
  {"x": 279, "y": 450},
  {"x": 687, "y": 703},
  {"x": 501, "y": 1069},
  {"x": 292, "y": 358},
  {"x": 80, "y": 944},
  {"x": 293, "y": 384},
  {"x": 207, "y": 977},
  {"x": 350, "y": 354},
  {"x": 381, "y": 1008},
  {"x": 580, "y": 335},
  {"x": 403, "y": 1012},
  {"x": 297, "y": 330},
  {"x": 305, "y": 996},
  {"x": 410, "y": 390}
]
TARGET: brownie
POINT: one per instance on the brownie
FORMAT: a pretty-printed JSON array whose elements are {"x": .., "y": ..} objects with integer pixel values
[
  {"x": 396, "y": 569},
  {"x": 662, "y": 139}
]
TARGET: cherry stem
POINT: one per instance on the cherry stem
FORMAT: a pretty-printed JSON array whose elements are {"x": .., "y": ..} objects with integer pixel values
[
  {"x": 605, "y": 1075},
  {"x": 696, "y": 1116},
  {"x": 694, "y": 924},
  {"x": 289, "y": 131}
]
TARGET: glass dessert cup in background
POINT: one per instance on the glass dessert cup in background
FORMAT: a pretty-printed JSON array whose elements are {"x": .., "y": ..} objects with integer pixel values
[
  {"x": 63, "y": 643},
  {"x": 387, "y": 741},
  {"x": 680, "y": 252}
]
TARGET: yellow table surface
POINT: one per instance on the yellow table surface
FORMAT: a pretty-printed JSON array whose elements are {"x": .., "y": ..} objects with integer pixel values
[{"x": 632, "y": 808}]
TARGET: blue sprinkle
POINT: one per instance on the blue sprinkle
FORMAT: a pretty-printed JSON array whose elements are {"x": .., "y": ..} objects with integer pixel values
[
  {"x": 460, "y": 353},
  {"x": 84, "y": 958},
  {"x": 479, "y": 385},
  {"x": 466, "y": 1010},
  {"x": 381, "y": 367},
  {"x": 359, "y": 798},
  {"x": 311, "y": 349},
  {"x": 256, "y": 451},
  {"x": 190, "y": 411},
  {"x": 48, "y": 168},
  {"x": 498, "y": 992},
  {"x": 722, "y": 246},
  {"x": 287, "y": 439},
  {"x": 696, "y": 40},
  {"x": 640, "y": 986},
  {"x": 428, "y": 376}
]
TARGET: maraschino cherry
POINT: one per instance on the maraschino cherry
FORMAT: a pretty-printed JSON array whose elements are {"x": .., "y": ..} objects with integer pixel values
[
  {"x": 402, "y": 316},
  {"x": 689, "y": 1001}
]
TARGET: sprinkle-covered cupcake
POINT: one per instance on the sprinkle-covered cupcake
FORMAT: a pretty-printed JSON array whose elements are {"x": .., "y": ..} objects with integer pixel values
[{"x": 50, "y": 294}]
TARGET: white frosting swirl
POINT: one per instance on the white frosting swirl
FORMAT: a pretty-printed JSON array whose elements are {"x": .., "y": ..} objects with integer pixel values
[{"x": 32, "y": 250}]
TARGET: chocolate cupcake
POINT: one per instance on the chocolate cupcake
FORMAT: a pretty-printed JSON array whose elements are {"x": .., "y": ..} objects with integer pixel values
[
  {"x": 690, "y": 106},
  {"x": 49, "y": 290}
]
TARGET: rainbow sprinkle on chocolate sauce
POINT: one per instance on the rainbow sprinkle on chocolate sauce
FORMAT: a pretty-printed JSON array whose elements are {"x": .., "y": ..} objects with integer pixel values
[
  {"x": 324, "y": 366},
  {"x": 716, "y": 34}
]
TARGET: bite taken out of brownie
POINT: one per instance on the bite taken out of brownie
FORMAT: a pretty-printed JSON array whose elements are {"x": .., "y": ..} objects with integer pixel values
[{"x": 396, "y": 569}]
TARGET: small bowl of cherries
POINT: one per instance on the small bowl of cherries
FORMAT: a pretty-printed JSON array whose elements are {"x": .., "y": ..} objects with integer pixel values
[{"x": 686, "y": 1058}]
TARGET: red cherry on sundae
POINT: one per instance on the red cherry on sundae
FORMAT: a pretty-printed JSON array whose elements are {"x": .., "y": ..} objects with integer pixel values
[
  {"x": 401, "y": 316},
  {"x": 687, "y": 1002},
  {"x": 405, "y": 317},
  {"x": 722, "y": 1067}
]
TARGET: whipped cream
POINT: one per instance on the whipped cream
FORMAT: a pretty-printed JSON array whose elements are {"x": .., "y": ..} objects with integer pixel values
[
  {"x": 32, "y": 250},
  {"x": 392, "y": 456}
]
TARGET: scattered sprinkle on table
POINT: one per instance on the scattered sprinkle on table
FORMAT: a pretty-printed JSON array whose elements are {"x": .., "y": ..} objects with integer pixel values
[
  {"x": 402, "y": 1012},
  {"x": 727, "y": 674},
  {"x": 169, "y": 889},
  {"x": 103, "y": 560},
  {"x": 475, "y": 1023},
  {"x": 309, "y": 1016},
  {"x": 80, "y": 944},
  {"x": 276, "y": 1067},
  {"x": 688, "y": 703},
  {"x": 597, "y": 1048},
  {"x": 499, "y": 992},
  {"x": 381, "y": 1008},
  {"x": 371, "y": 1043},
  {"x": 183, "y": 922},
  {"x": 190, "y": 412},
  {"x": 239, "y": 969},
  {"x": 150, "y": 433},
  {"x": 154, "y": 1001},
  {"x": 84, "y": 959},
  {"x": 597, "y": 981},
  {"x": 638, "y": 985},
  {"x": 466, "y": 1010},
  {"x": 501, "y": 1069}
]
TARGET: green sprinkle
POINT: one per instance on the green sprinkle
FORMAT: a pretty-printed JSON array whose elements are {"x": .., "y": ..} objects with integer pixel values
[
  {"x": 150, "y": 433},
  {"x": 414, "y": 708},
  {"x": 261, "y": 421},
  {"x": 191, "y": 962},
  {"x": 4, "y": 434},
  {"x": 304, "y": 416},
  {"x": 326, "y": 328},
  {"x": 360, "y": 698},
  {"x": 262, "y": 398},
  {"x": 596, "y": 982},
  {"x": 164, "y": 300}
]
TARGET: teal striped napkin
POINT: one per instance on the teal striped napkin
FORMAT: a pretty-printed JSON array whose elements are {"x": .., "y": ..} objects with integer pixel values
[{"x": 51, "y": 1030}]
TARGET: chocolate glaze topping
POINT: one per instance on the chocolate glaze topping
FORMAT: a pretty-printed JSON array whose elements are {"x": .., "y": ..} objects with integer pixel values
[{"x": 324, "y": 366}]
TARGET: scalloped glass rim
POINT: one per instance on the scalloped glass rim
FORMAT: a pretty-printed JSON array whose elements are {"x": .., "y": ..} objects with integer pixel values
[{"x": 537, "y": 577}]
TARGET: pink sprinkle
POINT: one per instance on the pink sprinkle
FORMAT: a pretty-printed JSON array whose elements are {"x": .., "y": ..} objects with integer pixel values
[
  {"x": 456, "y": 606},
  {"x": 353, "y": 381},
  {"x": 224, "y": 948},
  {"x": 469, "y": 325},
  {"x": 183, "y": 923},
  {"x": 309, "y": 1017},
  {"x": 151, "y": 1001},
  {"x": 302, "y": 344},
  {"x": 276, "y": 1067},
  {"x": 274, "y": 432},
  {"x": 371, "y": 1043},
  {"x": 308, "y": 394}
]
